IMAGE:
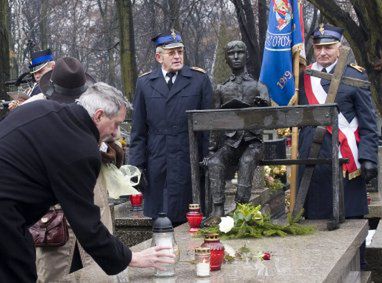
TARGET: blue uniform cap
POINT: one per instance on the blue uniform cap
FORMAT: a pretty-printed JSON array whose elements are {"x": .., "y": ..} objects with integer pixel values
[
  {"x": 39, "y": 59},
  {"x": 168, "y": 40},
  {"x": 327, "y": 34}
]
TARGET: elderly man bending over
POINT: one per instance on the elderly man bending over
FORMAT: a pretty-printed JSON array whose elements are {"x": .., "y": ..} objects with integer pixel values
[{"x": 49, "y": 154}]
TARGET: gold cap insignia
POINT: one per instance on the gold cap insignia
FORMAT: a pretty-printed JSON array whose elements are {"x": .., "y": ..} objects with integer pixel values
[
  {"x": 321, "y": 29},
  {"x": 173, "y": 34}
]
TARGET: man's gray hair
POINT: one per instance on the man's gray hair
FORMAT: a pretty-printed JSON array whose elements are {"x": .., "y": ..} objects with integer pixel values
[
  {"x": 159, "y": 49},
  {"x": 105, "y": 97}
]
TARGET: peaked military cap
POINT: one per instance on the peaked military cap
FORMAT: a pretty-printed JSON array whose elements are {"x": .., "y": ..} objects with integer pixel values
[
  {"x": 39, "y": 59},
  {"x": 168, "y": 40},
  {"x": 326, "y": 34}
]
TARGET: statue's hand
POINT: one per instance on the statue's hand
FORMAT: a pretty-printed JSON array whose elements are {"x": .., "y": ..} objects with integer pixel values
[
  {"x": 205, "y": 160},
  {"x": 261, "y": 102}
]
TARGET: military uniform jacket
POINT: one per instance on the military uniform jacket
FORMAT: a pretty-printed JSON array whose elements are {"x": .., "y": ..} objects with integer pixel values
[
  {"x": 159, "y": 138},
  {"x": 35, "y": 90},
  {"x": 352, "y": 102},
  {"x": 49, "y": 154},
  {"x": 238, "y": 92}
]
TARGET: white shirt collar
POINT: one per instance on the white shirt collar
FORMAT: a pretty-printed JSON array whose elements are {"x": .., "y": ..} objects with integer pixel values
[
  {"x": 168, "y": 78},
  {"x": 329, "y": 68}
]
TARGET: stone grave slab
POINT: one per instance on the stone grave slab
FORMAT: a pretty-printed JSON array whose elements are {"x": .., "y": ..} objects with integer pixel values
[
  {"x": 374, "y": 255},
  {"x": 325, "y": 256},
  {"x": 375, "y": 206}
]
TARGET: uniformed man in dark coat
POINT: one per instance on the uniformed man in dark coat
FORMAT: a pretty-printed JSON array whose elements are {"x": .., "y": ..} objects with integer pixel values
[
  {"x": 358, "y": 131},
  {"x": 358, "y": 137},
  {"x": 42, "y": 61},
  {"x": 49, "y": 154},
  {"x": 159, "y": 137}
]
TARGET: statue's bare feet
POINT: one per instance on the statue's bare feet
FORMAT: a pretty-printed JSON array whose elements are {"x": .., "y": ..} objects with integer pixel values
[
  {"x": 214, "y": 218},
  {"x": 211, "y": 221}
]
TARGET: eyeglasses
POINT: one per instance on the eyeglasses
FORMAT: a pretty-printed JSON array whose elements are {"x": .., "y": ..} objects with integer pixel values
[{"x": 171, "y": 53}]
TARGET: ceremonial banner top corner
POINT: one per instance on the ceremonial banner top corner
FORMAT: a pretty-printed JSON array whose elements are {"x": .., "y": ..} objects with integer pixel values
[{"x": 285, "y": 35}]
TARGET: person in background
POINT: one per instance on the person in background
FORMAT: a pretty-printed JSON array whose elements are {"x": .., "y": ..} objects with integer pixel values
[
  {"x": 159, "y": 137},
  {"x": 358, "y": 138},
  {"x": 41, "y": 62}
]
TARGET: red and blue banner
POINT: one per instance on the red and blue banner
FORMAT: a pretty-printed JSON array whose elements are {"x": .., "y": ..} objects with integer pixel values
[{"x": 285, "y": 35}]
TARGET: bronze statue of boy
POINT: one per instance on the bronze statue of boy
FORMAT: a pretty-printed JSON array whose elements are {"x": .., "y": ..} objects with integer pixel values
[{"x": 239, "y": 148}]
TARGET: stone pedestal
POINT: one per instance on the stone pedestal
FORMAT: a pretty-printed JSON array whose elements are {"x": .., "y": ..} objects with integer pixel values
[
  {"x": 325, "y": 256},
  {"x": 132, "y": 227},
  {"x": 374, "y": 255},
  {"x": 375, "y": 206}
]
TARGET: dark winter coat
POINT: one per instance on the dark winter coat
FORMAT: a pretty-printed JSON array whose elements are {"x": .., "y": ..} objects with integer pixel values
[
  {"x": 159, "y": 138},
  {"x": 352, "y": 102},
  {"x": 49, "y": 154}
]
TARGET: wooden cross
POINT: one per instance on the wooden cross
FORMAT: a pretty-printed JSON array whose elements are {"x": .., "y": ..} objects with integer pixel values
[{"x": 338, "y": 193}]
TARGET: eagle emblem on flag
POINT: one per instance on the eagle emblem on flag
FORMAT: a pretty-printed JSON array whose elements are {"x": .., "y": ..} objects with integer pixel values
[{"x": 283, "y": 13}]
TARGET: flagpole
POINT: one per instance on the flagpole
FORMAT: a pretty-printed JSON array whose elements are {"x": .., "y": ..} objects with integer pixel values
[{"x": 294, "y": 146}]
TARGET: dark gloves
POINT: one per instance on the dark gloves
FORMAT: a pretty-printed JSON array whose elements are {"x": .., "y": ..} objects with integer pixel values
[
  {"x": 143, "y": 183},
  {"x": 369, "y": 170}
]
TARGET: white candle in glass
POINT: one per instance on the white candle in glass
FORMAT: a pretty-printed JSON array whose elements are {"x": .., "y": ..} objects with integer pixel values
[
  {"x": 203, "y": 269},
  {"x": 165, "y": 241}
]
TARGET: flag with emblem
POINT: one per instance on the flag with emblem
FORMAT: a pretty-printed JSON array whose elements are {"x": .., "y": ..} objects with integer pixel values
[{"x": 285, "y": 36}]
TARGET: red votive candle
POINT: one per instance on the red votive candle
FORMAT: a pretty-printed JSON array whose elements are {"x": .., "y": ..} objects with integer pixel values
[
  {"x": 136, "y": 201},
  {"x": 194, "y": 217},
  {"x": 212, "y": 241}
]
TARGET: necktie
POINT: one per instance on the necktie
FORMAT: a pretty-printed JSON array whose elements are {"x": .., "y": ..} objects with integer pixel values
[
  {"x": 170, "y": 83},
  {"x": 324, "y": 70}
]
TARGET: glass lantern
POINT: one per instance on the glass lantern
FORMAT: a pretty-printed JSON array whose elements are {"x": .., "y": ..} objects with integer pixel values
[{"x": 163, "y": 235}]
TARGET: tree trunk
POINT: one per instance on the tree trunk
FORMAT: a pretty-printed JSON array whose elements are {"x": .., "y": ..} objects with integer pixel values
[
  {"x": 247, "y": 25},
  {"x": 364, "y": 37},
  {"x": 4, "y": 47},
  {"x": 127, "y": 47},
  {"x": 263, "y": 20},
  {"x": 174, "y": 7},
  {"x": 108, "y": 39},
  {"x": 44, "y": 24}
]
